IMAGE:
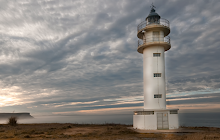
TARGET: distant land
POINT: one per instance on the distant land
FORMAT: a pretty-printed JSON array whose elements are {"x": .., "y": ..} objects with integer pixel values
[{"x": 18, "y": 115}]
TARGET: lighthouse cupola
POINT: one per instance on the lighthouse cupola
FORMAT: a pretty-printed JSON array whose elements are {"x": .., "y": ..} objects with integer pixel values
[{"x": 153, "y": 17}]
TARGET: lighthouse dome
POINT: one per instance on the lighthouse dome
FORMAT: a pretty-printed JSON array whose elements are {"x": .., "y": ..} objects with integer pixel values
[
  {"x": 153, "y": 17},
  {"x": 153, "y": 13}
]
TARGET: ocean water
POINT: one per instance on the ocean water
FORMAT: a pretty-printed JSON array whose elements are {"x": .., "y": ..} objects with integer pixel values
[
  {"x": 200, "y": 119},
  {"x": 185, "y": 119}
]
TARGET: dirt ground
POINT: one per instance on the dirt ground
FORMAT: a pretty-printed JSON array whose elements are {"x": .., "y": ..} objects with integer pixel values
[{"x": 98, "y": 132}]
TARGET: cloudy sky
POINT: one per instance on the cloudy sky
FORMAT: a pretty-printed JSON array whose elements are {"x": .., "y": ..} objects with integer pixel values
[{"x": 80, "y": 57}]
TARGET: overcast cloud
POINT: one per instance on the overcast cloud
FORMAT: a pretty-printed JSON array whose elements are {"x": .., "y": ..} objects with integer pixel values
[{"x": 75, "y": 56}]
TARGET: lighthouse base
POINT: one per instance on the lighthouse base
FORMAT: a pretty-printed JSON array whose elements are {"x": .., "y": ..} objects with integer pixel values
[{"x": 157, "y": 119}]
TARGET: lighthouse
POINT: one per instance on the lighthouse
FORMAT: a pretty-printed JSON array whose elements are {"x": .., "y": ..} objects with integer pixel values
[{"x": 153, "y": 43}]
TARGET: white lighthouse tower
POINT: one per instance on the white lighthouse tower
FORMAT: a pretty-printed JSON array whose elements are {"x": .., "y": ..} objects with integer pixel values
[{"x": 153, "y": 42}]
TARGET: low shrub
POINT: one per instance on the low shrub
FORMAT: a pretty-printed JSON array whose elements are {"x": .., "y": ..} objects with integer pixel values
[{"x": 12, "y": 121}]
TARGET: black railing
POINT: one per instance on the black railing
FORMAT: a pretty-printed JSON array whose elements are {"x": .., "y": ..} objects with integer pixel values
[
  {"x": 154, "y": 39},
  {"x": 140, "y": 42},
  {"x": 162, "y": 21}
]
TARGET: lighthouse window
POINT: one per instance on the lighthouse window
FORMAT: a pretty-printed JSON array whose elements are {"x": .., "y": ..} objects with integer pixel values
[
  {"x": 156, "y": 54},
  {"x": 157, "y": 74},
  {"x": 173, "y": 112},
  {"x": 155, "y": 36},
  {"x": 157, "y": 95},
  {"x": 144, "y": 113}
]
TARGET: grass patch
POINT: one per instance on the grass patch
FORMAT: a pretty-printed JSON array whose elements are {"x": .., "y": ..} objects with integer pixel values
[{"x": 96, "y": 132}]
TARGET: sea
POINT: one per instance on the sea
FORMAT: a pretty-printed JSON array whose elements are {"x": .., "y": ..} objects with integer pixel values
[{"x": 185, "y": 119}]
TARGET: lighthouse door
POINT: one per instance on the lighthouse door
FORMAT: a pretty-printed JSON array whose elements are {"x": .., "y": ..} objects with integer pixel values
[{"x": 162, "y": 121}]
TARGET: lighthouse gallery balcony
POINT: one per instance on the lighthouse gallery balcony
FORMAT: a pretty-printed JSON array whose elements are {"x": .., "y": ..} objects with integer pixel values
[
  {"x": 153, "y": 41},
  {"x": 162, "y": 25}
]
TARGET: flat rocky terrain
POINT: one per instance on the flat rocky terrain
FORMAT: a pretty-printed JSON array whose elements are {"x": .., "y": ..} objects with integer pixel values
[{"x": 99, "y": 132}]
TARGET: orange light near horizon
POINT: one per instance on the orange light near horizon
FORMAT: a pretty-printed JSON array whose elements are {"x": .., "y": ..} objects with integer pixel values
[
  {"x": 189, "y": 98},
  {"x": 194, "y": 106},
  {"x": 102, "y": 110}
]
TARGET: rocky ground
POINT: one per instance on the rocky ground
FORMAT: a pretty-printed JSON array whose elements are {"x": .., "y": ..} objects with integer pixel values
[{"x": 98, "y": 132}]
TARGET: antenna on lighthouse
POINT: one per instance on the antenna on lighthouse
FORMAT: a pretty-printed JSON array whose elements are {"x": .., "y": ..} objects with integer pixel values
[{"x": 152, "y": 6}]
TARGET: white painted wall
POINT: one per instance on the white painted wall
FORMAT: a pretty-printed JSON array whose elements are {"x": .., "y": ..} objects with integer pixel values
[
  {"x": 149, "y": 122},
  {"x": 138, "y": 121},
  {"x": 173, "y": 121},
  {"x": 149, "y": 35},
  {"x": 154, "y": 85},
  {"x": 146, "y": 122},
  {"x": 161, "y": 35}
]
